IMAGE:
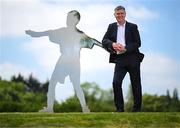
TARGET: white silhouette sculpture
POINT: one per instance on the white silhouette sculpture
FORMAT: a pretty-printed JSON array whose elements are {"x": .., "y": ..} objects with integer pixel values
[{"x": 71, "y": 40}]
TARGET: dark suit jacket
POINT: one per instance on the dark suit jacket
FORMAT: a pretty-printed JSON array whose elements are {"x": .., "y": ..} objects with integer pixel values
[{"x": 132, "y": 40}]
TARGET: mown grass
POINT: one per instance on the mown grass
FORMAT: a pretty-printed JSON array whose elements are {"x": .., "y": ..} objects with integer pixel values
[{"x": 91, "y": 120}]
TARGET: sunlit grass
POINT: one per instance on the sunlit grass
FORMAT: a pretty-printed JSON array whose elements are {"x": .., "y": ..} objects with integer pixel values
[{"x": 91, "y": 120}]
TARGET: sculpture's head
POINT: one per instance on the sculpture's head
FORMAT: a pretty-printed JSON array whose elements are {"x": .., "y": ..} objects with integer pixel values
[{"x": 73, "y": 18}]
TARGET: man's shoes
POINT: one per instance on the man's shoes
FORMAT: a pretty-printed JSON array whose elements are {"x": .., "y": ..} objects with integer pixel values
[
  {"x": 120, "y": 110},
  {"x": 46, "y": 110}
]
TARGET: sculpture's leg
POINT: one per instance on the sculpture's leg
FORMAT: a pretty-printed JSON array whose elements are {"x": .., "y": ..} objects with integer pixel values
[
  {"x": 80, "y": 94},
  {"x": 50, "y": 96}
]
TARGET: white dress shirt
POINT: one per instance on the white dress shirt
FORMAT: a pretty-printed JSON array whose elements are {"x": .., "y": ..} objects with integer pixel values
[{"x": 121, "y": 34}]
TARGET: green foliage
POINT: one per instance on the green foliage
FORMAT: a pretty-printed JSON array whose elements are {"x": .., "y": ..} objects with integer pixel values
[
  {"x": 154, "y": 103},
  {"x": 129, "y": 103},
  {"x": 98, "y": 100},
  {"x": 14, "y": 97},
  {"x": 29, "y": 95},
  {"x": 70, "y": 105}
]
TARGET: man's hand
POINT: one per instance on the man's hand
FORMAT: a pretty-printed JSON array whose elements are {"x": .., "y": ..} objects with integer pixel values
[{"x": 119, "y": 48}]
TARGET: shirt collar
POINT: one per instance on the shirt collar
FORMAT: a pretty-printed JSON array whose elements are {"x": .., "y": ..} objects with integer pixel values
[{"x": 121, "y": 25}]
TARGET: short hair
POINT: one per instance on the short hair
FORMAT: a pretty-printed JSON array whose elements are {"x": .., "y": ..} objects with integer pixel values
[
  {"x": 76, "y": 13},
  {"x": 119, "y": 8}
]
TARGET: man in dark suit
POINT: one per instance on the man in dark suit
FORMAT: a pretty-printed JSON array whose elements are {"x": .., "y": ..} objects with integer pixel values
[{"x": 122, "y": 40}]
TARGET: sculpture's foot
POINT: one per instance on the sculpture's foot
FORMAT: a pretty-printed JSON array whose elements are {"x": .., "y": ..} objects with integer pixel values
[
  {"x": 46, "y": 110},
  {"x": 85, "y": 109}
]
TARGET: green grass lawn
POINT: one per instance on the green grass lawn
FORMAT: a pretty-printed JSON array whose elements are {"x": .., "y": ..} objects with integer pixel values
[{"x": 91, "y": 120}]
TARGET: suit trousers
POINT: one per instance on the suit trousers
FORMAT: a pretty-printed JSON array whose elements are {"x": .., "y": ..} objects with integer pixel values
[{"x": 130, "y": 64}]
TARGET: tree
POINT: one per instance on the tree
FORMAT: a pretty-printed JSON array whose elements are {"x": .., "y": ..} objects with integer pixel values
[
  {"x": 175, "y": 103},
  {"x": 29, "y": 95},
  {"x": 98, "y": 100},
  {"x": 19, "y": 78},
  {"x": 15, "y": 98},
  {"x": 168, "y": 100},
  {"x": 33, "y": 84},
  {"x": 175, "y": 94}
]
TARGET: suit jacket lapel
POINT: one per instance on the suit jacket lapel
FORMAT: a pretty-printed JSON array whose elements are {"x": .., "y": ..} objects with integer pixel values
[
  {"x": 115, "y": 31},
  {"x": 115, "y": 27},
  {"x": 126, "y": 30}
]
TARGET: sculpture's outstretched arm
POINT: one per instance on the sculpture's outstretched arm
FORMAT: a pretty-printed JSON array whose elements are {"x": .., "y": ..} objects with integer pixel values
[
  {"x": 89, "y": 42},
  {"x": 96, "y": 42},
  {"x": 36, "y": 34}
]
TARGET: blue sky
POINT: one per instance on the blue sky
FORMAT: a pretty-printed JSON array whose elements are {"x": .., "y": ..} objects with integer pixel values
[{"x": 158, "y": 22}]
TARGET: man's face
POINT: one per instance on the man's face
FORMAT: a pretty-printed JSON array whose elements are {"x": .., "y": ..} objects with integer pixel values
[{"x": 120, "y": 16}]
